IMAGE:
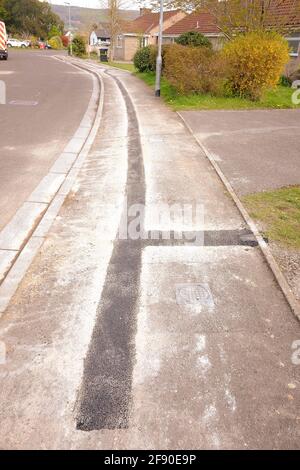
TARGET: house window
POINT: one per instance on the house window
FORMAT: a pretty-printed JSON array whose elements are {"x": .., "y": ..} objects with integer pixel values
[
  {"x": 119, "y": 42},
  {"x": 294, "y": 44},
  {"x": 144, "y": 41}
]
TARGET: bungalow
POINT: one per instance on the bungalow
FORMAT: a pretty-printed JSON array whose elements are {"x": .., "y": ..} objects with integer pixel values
[
  {"x": 203, "y": 23},
  {"x": 100, "y": 36},
  {"x": 143, "y": 31}
]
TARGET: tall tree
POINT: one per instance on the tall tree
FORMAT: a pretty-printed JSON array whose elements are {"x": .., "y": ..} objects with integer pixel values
[
  {"x": 114, "y": 20},
  {"x": 3, "y": 11},
  {"x": 30, "y": 17}
]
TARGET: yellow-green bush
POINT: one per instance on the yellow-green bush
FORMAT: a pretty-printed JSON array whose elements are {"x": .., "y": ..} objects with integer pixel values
[
  {"x": 255, "y": 63},
  {"x": 56, "y": 42},
  {"x": 194, "y": 69}
]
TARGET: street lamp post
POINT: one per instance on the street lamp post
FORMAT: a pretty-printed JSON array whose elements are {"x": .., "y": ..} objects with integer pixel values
[
  {"x": 159, "y": 54},
  {"x": 70, "y": 26}
]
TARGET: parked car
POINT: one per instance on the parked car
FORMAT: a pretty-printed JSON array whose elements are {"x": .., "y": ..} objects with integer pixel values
[
  {"x": 44, "y": 45},
  {"x": 3, "y": 39},
  {"x": 11, "y": 42}
]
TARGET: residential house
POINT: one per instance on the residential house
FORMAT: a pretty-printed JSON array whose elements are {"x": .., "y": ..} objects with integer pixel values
[
  {"x": 143, "y": 31},
  {"x": 203, "y": 23},
  {"x": 100, "y": 36}
]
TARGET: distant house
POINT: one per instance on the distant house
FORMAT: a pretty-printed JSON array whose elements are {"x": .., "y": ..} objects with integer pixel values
[
  {"x": 143, "y": 31},
  {"x": 203, "y": 23},
  {"x": 100, "y": 36}
]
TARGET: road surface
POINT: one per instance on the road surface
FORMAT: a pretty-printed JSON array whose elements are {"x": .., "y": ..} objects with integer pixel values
[{"x": 45, "y": 103}]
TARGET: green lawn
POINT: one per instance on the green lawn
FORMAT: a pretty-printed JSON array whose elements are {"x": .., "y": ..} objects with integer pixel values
[
  {"x": 122, "y": 65},
  {"x": 279, "y": 212},
  {"x": 279, "y": 98}
]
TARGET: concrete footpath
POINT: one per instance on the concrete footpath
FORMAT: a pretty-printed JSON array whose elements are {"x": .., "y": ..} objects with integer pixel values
[{"x": 161, "y": 344}]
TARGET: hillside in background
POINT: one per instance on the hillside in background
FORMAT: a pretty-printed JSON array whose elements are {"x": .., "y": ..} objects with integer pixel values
[{"x": 83, "y": 18}]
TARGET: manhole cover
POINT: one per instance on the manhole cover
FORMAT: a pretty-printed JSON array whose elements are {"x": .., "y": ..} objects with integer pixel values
[{"x": 194, "y": 294}]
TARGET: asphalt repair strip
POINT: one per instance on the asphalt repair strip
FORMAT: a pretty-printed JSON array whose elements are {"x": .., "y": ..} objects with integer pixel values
[{"x": 105, "y": 395}]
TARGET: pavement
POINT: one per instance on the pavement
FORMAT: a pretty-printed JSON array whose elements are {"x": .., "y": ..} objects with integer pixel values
[
  {"x": 118, "y": 343},
  {"x": 257, "y": 150}
]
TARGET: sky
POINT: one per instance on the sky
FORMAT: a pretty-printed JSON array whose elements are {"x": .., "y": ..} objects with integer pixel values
[{"x": 91, "y": 3}]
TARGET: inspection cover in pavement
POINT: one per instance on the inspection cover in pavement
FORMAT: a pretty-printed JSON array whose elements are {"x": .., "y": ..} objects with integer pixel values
[{"x": 200, "y": 294}]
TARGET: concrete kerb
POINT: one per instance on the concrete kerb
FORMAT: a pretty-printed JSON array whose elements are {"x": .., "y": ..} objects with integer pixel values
[
  {"x": 62, "y": 176},
  {"x": 271, "y": 262}
]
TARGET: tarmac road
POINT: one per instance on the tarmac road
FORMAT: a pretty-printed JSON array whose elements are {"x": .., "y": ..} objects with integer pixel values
[{"x": 45, "y": 102}]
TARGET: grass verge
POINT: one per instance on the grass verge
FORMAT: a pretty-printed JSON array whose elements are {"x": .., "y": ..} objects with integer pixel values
[
  {"x": 122, "y": 65},
  {"x": 274, "y": 99},
  {"x": 279, "y": 213}
]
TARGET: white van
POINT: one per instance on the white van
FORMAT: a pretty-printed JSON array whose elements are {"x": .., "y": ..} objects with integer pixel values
[{"x": 3, "y": 41}]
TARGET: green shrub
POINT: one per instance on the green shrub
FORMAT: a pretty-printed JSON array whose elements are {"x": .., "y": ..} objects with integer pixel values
[
  {"x": 54, "y": 32},
  {"x": 55, "y": 42},
  {"x": 255, "y": 63},
  {"x": 153, "y": 56},
  {"x": 143, "y": 59},
  {"x": 193, "y": 38},
  {"x": 285, "y": 81},
  {"x": 194, "y": 69},
  {"x": 78, "y": 46}
]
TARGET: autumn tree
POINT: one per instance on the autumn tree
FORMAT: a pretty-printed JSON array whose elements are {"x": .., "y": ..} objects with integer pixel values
[
  {"x": 29, "y": 17},
  {"x": 114, "y": 20}
]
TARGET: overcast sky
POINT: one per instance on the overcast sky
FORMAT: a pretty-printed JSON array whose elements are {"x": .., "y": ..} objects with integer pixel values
[{"x": 93, "y": 3}]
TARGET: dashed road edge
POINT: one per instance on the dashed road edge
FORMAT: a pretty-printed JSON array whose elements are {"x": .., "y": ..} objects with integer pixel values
[
  {"x": 38, "y": 232},
  {"x": 271, "y": 262}
]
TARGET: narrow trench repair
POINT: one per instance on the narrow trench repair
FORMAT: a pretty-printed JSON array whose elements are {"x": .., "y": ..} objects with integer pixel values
[{"x": 105, "y": 395}]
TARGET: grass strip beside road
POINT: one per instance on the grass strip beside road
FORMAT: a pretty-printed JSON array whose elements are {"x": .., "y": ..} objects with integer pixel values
[
  {"x": 122, "y": 65},
  {"x": 279, "y": 213},
  {"x": 278, "y": 98}
]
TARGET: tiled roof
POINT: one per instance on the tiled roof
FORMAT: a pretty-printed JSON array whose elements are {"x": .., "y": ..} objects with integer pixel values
[
  {"x": 202, "y": 22},
  {"x": 103, "y": 31},
  {"x": 285, "y": 12},
  {"x": 146, "y": 22}
]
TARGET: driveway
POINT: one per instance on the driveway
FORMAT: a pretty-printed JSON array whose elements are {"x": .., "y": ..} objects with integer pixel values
[{"x": 257, "y": 150}]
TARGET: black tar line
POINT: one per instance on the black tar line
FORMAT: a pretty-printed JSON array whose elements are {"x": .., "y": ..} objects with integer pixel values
[
  {"x": 105, "y": 398},
  {"x": 105, "y": 395}
]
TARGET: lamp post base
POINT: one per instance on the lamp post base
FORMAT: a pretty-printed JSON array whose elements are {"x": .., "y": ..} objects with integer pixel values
[{"x": 157, "y": 93}]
